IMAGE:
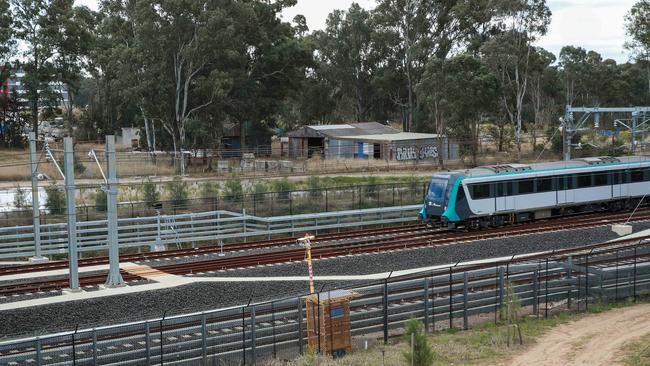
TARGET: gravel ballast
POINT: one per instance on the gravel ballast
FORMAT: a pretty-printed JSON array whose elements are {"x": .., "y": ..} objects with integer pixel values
[{"x": 207, "y": 296}]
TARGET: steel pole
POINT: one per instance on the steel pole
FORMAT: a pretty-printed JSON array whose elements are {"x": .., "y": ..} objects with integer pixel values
[
  {"x": 114, "y": 277},
  {"x": 36, "y": 213},
  {"x": 68, "y": 158}
]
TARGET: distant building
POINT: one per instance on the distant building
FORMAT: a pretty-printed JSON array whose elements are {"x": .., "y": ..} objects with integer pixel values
[
  {"x": 128, "y": 137},
  {"x": 368, "y": 140},
  {"x": 16, "y": 83}
]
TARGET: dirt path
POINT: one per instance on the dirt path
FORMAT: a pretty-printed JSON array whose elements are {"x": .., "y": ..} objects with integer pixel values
[{"x": 593, "y": 340}]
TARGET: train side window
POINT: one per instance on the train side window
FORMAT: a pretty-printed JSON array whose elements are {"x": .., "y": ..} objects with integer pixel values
[
  {"x": 584, "y": 180},
  {"x": 600, "y": 179},
  {"x": 504, "y": 189},
  {"x": 480, "y": 191},
  {"x": 526, "y": 186},
  {"x": 617, "y": 177},
  {"x": 626, "y": 176},
  {"x": 544, "y": 184},
  {"x": 636, "y": 176},
  {"x": 646, "y": 174}
]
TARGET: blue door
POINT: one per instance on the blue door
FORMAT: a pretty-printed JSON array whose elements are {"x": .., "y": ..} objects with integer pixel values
[{"x": 360, "y": 150}]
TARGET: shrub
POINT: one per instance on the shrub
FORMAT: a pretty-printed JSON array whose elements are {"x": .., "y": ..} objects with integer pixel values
[
  {"x": 55, "y": 201},
  {"x": 209, "y": 190},
  {"x": 100, "y": 200},
  {"x": 372, "y": 183},
  {"x": 20, "y": 198},
  {"x": 314, "y": 185},
  {"x": 283, "y": 187},
  {"x": 151, "y": 194},
  {"x": 233, "y": 188},
  {"x": 422, "y": 354},
  {"x": 259, "y": 189},
  {"x": 511, "y": 306},
  {"x": 177, "y": 191}
]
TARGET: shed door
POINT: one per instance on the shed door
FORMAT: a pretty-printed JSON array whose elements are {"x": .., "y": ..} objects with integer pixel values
[{"x": 360, "y": 150}]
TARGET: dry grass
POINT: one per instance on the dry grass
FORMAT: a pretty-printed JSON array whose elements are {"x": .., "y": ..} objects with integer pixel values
[{"x": 637, "y": 353}]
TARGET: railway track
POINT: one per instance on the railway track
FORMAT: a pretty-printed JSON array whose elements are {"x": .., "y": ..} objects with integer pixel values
[{"x": 325, "y": 246}]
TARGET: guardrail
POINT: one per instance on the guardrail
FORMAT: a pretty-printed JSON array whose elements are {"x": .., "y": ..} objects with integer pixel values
[
  {"x": 190, "y": 229},
  {"x": 441, "y": 298}
]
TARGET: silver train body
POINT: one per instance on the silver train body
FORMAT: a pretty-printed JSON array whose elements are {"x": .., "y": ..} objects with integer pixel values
[{"x": 510, "y": 193}]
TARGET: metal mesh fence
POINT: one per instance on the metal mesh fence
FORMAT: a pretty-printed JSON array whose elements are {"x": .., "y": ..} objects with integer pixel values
[
  {"x": 258, "y": 204},
  {"x": 446, "y": 297}
]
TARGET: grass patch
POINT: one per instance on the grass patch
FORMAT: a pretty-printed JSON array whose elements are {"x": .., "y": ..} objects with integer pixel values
[
  {"x": 484, "y": 344},
  {"x": 637, "y": 353}
]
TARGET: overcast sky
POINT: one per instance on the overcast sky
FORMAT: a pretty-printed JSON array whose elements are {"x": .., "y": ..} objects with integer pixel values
[{"x": 593, "y": 24}]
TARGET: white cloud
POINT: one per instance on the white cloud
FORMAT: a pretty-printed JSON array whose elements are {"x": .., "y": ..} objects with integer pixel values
[{"x": 592, "y": 24}]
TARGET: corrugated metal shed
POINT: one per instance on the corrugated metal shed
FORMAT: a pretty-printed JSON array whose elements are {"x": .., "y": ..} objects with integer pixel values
[
  {"x": 399, "y": 136},
  {"x": 351, "y": 129}
]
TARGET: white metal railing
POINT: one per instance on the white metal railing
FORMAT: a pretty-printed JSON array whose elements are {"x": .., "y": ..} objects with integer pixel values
[{"x": 176, "y": 230}]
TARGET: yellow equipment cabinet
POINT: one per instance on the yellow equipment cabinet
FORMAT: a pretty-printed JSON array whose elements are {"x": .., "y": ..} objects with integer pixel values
[{"x": 328, "y": 322}]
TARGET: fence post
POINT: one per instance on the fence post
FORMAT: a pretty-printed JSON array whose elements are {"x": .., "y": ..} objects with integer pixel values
[
  {"x": 616, "y": 280},
  {"x": 385, "y": 319},
  {"x": 275, "y": 351},
  {"x": 147, "y": 341},
  {"x": 37, "y": 347},
  {"x": 74, "y": 345},
  {"x": 451, "y": 298},
  {"x": 569, "y": 276},
  {"x": 426, "y": 304},
  {"x": 433, "y": 305},
  {"x": 496, "y": 293},
  {"x": 634, "y": 283},
  {"x": 501, "y": 287},
  {"x": 546, "y": 290},
  {"x": 243, "y": 334},
  {"x": 204, "y": 336},
  {"x": 536, "y": 293},
  {"x": 162, "y": 349},
  {"x": 326, "y": 200},
  {"x": 465, "y": 279},
  {"x": 253, "y": 355},
  {"x": 587, "y": 282},
  {"x": 300, "y": 326},
  {"x": 95, "y": 347}
]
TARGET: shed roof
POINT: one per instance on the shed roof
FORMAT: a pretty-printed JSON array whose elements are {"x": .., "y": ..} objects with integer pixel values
[
  {"x": 337, "y": 130},
  {"x": 399, "y": 136}
]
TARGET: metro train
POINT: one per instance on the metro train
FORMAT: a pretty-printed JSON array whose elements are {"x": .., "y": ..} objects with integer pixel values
[{"x": 492, "y": 196}]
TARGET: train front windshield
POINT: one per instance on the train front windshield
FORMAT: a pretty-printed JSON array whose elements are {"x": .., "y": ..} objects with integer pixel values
[{"x": 437, "y": 189}]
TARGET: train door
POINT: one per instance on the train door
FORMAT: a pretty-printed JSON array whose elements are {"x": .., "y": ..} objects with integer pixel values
[
  {"x": 617, "y": 186},
  {"x": 565, "y": 193},
  {"x": 570, "y": 184},
  {"x": 505, "y": 200}
]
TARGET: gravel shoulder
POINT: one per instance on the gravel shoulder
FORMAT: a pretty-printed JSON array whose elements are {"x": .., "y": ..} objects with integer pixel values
[{"x": 594, "y": 340}]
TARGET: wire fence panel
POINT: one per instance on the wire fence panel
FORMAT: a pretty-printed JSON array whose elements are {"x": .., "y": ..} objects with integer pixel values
[
  {"x": 457, "y": 296},
  {"x": 266, "y": 204},
  {"x": 181, "y": 230}
]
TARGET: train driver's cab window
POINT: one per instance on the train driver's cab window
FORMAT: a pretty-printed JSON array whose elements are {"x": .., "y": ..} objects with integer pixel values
[
  {"x": 437, "y": 189},
  {"x": 480, "y": 191}
]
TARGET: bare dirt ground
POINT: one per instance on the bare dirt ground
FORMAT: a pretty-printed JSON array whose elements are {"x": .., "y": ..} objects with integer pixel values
[{"x": 593, "y": 340}]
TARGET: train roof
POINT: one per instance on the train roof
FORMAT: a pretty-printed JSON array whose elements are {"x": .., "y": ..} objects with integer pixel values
[{"x": 554, "y": 165}]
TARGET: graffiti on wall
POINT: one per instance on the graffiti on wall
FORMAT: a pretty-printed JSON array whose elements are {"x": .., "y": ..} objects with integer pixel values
[{"x": 415, "y": 153}]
